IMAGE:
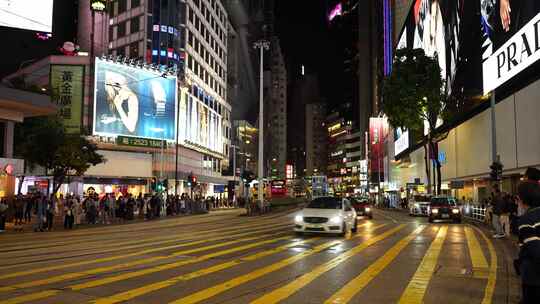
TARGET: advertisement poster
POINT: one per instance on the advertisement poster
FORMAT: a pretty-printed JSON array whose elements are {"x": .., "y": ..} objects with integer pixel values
[
  {"x": 27, "y": 14},
  {"x": 67, "y": 84},
  {"x": 434, "y": 26},
  {"x": 130, "y": 101},
  {"x": 511, "y": 39},
  {"x": 377, "y": 128}
]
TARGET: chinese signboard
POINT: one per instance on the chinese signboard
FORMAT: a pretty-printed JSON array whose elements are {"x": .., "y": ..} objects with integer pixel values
[
  {"x": 67, "y": 93},
  {"x": 138, "y": 142}
]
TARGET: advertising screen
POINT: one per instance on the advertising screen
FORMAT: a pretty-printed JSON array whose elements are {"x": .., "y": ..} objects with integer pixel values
[
  {"x": 27, "y": 14},
  {"x": 511, "y": 39},
  {"x": 434, "y": 26},
  {"x": 135, "y": 102}
]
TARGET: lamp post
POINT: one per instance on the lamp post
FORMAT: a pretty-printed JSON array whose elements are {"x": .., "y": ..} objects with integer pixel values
[
  {"x": 234, "y": 147},
  {"x": 162, "y": 131},
  {"x": 262, "y": 45}
]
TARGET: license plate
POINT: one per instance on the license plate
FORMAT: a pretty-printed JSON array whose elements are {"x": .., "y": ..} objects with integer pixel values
[
  {"x": 314, "y": 226},
  {"x": 445, "y": 216}
]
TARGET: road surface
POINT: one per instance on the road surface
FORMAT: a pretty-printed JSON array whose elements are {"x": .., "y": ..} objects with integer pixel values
[{"x": 227, "y": 258}]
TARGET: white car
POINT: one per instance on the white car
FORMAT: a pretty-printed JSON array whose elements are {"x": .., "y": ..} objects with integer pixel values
[
  {"x": 419, "y": 205},
  {"x": 326, "y": 215}
]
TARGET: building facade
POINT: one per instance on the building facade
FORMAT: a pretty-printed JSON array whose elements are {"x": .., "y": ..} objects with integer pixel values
[
  {"x": 344, "y": 154},
  {"x": 316, "y": 139}
]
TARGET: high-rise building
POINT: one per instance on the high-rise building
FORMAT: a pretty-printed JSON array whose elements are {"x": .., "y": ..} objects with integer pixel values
[
  {"x": 275, "y": 108},
  {"x": 315, "y": 139}
]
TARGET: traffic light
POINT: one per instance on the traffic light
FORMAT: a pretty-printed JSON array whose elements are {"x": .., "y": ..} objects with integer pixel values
[
  {"x": 192, "y": 180},
  {"x": 496, "y": 171}
]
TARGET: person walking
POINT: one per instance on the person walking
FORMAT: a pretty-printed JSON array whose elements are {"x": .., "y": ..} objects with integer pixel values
[
  {"x": 28, "y": 206},
  {"x": 504, "y": 218},
  {"x": 527, "y": 264},
  {"x": 50, "y": 209},
  {"x": 19, "y": 213},
  {"x": 69, "y": 217},
  {"x": 40, "y": 208},
  {"x": 498, "y": 209},
  {"x": 3, "y": 210}
]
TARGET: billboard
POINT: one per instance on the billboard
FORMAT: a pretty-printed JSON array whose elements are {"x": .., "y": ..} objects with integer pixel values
[
  {"x": 511, "y": 39},
  {"x": 377, "y": 133},
  {"x": 27, "y": 14},
  {"x": 135, "y": 102},
  {"x": 434, "y": 26},
  {"x": 67, "y": 84}
]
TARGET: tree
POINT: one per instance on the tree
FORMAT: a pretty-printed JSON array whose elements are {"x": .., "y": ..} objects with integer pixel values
[
  {"x": 42, "y": 141},
  {"x": 414, "y": 93}
]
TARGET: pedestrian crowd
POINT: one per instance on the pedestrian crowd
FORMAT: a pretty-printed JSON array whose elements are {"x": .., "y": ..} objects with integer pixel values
[{"x": 41, "y": 211}]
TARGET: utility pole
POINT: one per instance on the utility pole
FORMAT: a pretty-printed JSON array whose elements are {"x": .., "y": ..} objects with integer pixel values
[{"x": 262, "y": 45}]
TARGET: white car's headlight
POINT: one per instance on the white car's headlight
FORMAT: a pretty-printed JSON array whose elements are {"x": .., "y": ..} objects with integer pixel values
[
  {"x": 434, "y": 211},
  {"x": 298, "y": 219},
  {"x": 416, "y": 205},
  {"x": 336, "y": 220},
  {"x": 367, "y": 209},
  {"x": 455, "y": 211}
]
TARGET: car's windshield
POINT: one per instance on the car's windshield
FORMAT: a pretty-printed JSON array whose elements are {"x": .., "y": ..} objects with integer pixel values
[
  {"x": 442, "y": 201},
  {"x": 325, "y": 203}
]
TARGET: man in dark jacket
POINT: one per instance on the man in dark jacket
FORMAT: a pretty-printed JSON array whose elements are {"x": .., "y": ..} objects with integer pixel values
[
  {"x": 498, "y": 210},
  {"x": 528, "y": 263}
]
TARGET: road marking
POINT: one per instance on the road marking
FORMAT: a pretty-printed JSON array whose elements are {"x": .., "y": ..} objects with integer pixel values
[
  {"x": 347, "y": 292},
  {"x": 31, "y": 297},
  {"x": 492, "y": 276},
  {"x": 138, "y": 253},
  {"x": 479, "y": 262},
  {"x": 74, "y": 275},
  {"x": 137, "y": 292},
  {"x": 415, "y": 291},
  {"x": 288, "y": 290},
  {"x": 129, "y": 275},
  {"x": 220, "y": 288}
]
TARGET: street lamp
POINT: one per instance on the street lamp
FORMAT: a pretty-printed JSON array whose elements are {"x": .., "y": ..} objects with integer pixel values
[
  {"x": 262, "y": 45},
  {"x": 234, "y": 147},
  {"x": 162, "y": 131}
]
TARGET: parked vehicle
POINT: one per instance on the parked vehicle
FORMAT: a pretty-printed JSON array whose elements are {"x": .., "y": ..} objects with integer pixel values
[
  {"x": 419, "y": 205},
  {"x": 444, "y": 208},
  {"x": 326, "y": 214}
]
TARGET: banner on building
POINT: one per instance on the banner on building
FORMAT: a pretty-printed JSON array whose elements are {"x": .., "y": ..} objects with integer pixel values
[
  {"x": 377, "y": 130},
  {"x": 67, "y": 85},
  {"x": 512, "y": 39}
]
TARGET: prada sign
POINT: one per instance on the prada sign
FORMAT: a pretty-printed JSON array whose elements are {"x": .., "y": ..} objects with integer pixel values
[{"x": 519, "y": 52}]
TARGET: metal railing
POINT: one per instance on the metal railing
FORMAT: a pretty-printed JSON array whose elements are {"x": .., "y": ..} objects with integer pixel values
[{"x": 475, "y": 212}]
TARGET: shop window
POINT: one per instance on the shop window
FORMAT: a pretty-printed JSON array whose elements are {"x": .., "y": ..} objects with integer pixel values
[
  {"x": 122, "y": 6},
  {"x": 135, "y": 25},
  {"x": 121, "y": 32}
]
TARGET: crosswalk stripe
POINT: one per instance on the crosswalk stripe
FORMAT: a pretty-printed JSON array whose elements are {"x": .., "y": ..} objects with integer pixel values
[
  {"x": 478, "y": 260},
  {"x": 492, "y": 276},
  {"x": 415, "y": 291},
  {"x": 288, "y": 290},
  {"x": 129, "y": 275},
  {"x": 138, "y": 253},
  {"x": 347, "y": 292},
  {"x": 31, "y": 297},
  {"x": 137, "y": 292},
  {"x": 74, "y": 275},
  {"x": 220, "y": 288}
]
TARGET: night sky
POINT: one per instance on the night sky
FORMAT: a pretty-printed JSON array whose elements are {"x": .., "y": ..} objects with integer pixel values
[{"x": 306, "y": 39}]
